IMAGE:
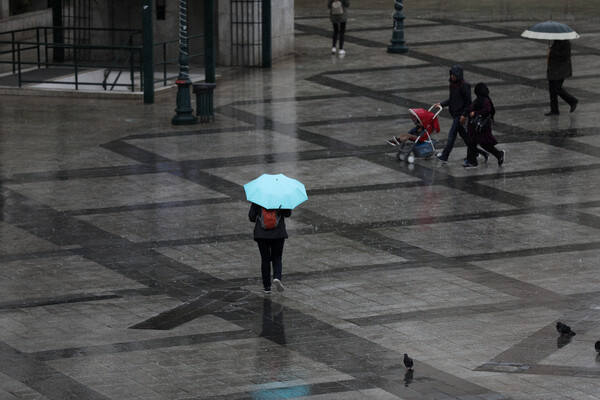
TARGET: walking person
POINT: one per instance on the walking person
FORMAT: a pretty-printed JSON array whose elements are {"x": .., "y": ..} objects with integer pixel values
[
  {"x": 458, "y": 104},
  {"x": 270, "y": 234},
  {"x": 559, "y": 69},
  {"x": 484, "y": 107},
  {"x": 337, "y": 15}
]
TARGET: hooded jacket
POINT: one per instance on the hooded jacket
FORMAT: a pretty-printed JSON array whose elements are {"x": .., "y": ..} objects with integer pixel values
[{"x": 460, "y": 94}]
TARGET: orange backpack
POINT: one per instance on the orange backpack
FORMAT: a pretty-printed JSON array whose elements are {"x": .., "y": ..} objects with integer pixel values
[{"x": 269, "y": 218}]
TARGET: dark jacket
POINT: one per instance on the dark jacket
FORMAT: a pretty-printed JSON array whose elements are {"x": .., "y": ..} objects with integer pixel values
[
  {"x": 259, "y": 232},
  {"x": 559, "y": 61},
  {"x": 460, "y": 94},
  {"x": 481, "y": 106},
  {"x": 338, "y": 17}
]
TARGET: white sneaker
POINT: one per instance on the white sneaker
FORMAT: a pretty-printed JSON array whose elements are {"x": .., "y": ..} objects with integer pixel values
[
  {"x": 342, "y": 52},
  {"x": 333, "y": 50},
  {"x": 278, "y": 285}
]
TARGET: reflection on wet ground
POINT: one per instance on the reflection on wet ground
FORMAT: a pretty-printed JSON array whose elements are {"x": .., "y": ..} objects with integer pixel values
[{"x": 129, "y": 270}]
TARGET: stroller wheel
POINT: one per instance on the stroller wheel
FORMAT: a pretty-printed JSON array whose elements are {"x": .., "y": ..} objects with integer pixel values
[
  {"x": 400, "y": 156},
  {"x": 411, "y": 159}
]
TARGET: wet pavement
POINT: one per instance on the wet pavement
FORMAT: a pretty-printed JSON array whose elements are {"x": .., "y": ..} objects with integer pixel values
[{"x": 128, "y": 270}]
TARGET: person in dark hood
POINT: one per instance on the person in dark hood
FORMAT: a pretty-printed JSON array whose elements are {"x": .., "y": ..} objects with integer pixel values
[
  {"x": 559, "y": 69},
  {"x": 458, "y": 104},
  {"x": 484, "y": 107}
]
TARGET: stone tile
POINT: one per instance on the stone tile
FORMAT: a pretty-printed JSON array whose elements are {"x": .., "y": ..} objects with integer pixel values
[
  {"x": 61, "y": 276},
  {"x": 574, "y": 187},
  {"x": 14, "y": 240},
  {"x": 564, "y": 273},
  {"x": 333, "y": 173},
  {"x": 420, "y": 203},
  {"x": 241, "y": 259},
  {"x": 103, "y": 322},
  {"x": 114, "y": 191},
  {"x": 493, "y": 235},
  {"x": 190, "y": 222},
  {"x": 487, "y": 50},
  {"x": 354, "y": 295},
  {"x": 523, "y": 156},
  {"x": 232, "y": 144},
  {"x": 319, "y": 110},
  {"x": 253, "y": 364}
]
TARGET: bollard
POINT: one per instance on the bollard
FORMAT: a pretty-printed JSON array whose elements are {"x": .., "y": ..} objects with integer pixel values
[
  {"x": 204, "y": 101},
  {"x": 398, "y": 45}
]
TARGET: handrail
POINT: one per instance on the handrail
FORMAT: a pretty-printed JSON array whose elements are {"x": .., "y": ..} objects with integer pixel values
[
  {"x": 108, "y": 72},
  {"x": 25, "y": 51}
]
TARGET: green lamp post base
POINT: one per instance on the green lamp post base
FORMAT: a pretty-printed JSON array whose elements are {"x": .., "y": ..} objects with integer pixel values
[{"x": 398, "y": 44}]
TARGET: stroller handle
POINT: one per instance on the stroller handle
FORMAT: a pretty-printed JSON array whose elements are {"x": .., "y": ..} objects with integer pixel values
[{"x": 440, "y": 108}]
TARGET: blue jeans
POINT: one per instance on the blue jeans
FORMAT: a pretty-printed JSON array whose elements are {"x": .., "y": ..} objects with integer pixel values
[
  {"x": 271, "y": 251},
  {"x": 456, "y": 128}
]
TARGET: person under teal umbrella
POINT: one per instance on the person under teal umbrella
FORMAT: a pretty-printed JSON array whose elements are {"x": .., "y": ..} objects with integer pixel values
[{"x": 272, "y": 197}]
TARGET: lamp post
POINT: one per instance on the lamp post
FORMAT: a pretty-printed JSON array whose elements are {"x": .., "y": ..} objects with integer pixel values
[
  {"x": 398, "y": 45},
  {"x": 184, "y": 112}
]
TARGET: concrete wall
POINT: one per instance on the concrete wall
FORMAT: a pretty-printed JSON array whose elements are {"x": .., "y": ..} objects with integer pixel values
[
  {"x": 25, "y": 21},
  {"x": 282, "y": 30}
]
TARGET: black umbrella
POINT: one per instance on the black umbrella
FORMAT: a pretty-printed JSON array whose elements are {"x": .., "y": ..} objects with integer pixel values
[{"x": 550, "y": 30}]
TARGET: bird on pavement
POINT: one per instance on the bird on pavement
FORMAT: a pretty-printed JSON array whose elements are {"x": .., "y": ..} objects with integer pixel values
[
  {"x": 564, "y": 329},
  {"x": 408, "y": 362},
  {"x": 597, "y": 346}
]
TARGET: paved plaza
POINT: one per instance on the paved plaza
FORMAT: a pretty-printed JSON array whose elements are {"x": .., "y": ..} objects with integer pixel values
[{"x": 127, "y": 264}]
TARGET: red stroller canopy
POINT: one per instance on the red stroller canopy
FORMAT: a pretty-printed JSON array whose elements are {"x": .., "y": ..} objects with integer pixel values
[{"x": 426, "y": 118}]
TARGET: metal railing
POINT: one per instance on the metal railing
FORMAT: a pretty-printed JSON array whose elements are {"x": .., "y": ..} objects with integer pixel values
[{"x": 125, "y": 58}]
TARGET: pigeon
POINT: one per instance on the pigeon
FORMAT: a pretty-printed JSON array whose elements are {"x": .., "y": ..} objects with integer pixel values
[
  {"x": 564, "y": 329},
  {"x": 408, "y": 362},
  {"x": 597, "y": 346}
]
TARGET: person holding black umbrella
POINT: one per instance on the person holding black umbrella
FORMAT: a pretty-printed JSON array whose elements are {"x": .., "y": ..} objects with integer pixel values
[
  {"x": 559, "y": 60},
  {"x": 559, "y": 68}
]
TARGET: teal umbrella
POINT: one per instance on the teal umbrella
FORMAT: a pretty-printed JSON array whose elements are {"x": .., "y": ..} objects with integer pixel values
[
  {"x": 275, "y": 191},
  {"x": 550, "y": 30}
]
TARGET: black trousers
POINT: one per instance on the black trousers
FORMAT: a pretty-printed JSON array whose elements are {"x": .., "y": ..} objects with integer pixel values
[
  {"x": 472, "y": 151},
  {"x": 338, "y": 30},
  {"x": 271, "y": 251},
  {"x": 555, "y": 88}
]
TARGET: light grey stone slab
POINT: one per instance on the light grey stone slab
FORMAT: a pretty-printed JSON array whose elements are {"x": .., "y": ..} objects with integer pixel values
[
  {"x": 14, "y": 240},
  {"x": 95, "y": 323},
  {"x": 573, "y": 188},
  {"x": 421, "y": 203},
  {"x": 316, "y": 254},
  {"x": 380, "y": 291},
  {"x": 319, "y": 174},
  {"x": 564, "y": 273},
  {"x": 252, "y": 365},
  {"x": 75, "y": 194},
  {"x": 43, "y": 278},
  {"x": 486, "y": 50},
  {"x": 493, "y": 235},
  {"x": 223, "y": 145},
  {"x": 179, "y": 222},
  {"x": 522, "y": 156},
  {"x": 315, "y": 110}
]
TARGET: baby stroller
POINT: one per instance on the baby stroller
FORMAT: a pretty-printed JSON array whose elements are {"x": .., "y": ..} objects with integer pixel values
[{"x": 424, "y": 146}]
